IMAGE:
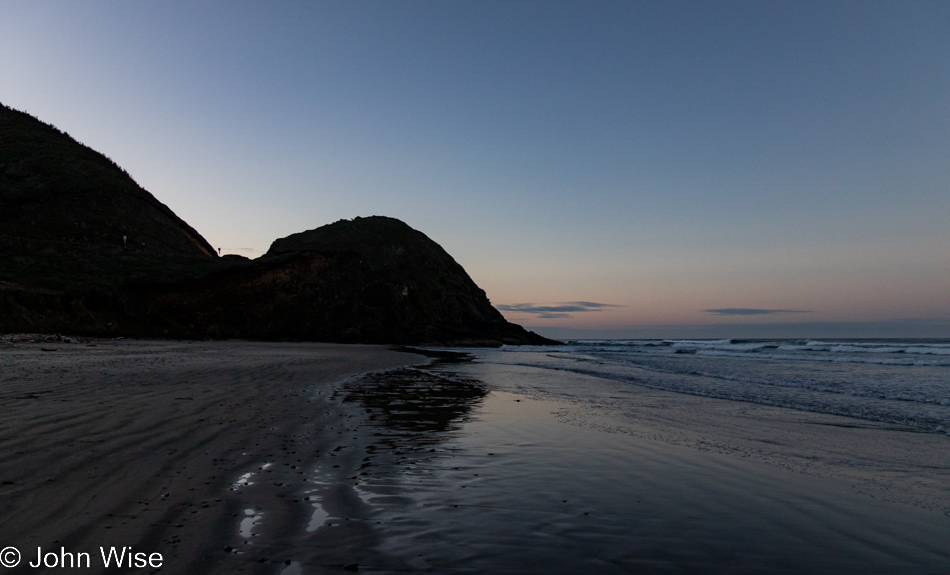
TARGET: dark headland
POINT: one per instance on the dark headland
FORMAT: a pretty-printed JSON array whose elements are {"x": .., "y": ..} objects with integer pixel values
[{"x": 85, "y": 250}]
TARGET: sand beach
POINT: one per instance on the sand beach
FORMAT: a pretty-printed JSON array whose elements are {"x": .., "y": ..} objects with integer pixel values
[
  {"x": 144, "y": 444},
  {"x": 293, "y": 458}
]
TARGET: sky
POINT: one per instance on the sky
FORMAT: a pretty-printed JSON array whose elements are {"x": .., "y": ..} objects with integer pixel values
[{"x": 600, "y": 169}]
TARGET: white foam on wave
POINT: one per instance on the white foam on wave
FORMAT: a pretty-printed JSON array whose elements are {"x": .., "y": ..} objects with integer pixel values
[
  {"x": 872, "y": 347},
  {"x": 866, "y": 349},
  {"x": 911, "y": 407},
  {"x": 929, "y": 350},
  {"x": 898, "y": 381},
  {"x": 763, "y": 347},
  {"x": 831, "y": 358},
  {"x": 723, "y": 344},
  {"x": 697, "y": 342}
]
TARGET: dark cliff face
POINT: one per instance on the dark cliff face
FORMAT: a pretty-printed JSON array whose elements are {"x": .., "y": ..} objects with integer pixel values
[
  {"x": 54, "y": 189},
  {"x": 64, "y": 209},
  {"x": 367, "y": 280},
  {"x": 64, "y": 266},
  {"x": 396, "y": 274}
]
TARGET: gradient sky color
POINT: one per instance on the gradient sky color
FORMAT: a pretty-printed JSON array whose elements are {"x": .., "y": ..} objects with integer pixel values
[{"x": 622, "y": 169}]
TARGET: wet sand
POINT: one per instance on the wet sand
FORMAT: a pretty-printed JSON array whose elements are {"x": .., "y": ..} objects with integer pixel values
[
  {"x": 237, "y": 457},
  {"x": 144, "y": 444},
  {"x": 569, "y": 473}
]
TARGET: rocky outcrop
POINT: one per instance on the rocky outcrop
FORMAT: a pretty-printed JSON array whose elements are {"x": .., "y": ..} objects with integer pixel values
[
  {"x": 85, "y": 250},
  {"x": 54, "y": 189},
  {"x": 367, "y": 280}
]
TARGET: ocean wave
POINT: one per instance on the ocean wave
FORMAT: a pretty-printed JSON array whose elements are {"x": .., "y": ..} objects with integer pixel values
[
  {"x": 906, "y": 409},
  {"x": 899, "y": 381},
  {"x": 831, "y": 358},
  {"x": 875, "y": 347},
  {"x": 764, "y": 347},
  {"x": 697, "y": 342},
  {"x": 932, "y": 350}
]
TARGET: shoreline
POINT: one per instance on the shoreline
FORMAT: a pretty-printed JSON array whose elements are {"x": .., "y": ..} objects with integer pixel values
[
  {"x": 882, "y": 460},
  {"x": 296, "y": 458},
  {"x": 542, "y": 472}
]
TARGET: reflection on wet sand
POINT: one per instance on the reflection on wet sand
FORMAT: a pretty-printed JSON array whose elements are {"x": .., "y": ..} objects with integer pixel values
[
  {"x": 414, "y": 406},
  {"x": 366, "y": 489},
  {"x": 454, "y": 479}
]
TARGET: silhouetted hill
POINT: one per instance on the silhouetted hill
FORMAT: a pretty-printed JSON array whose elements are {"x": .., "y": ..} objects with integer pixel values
[
  {"x": 65, "y": 267},
  {"x": 367, "y": 280},
  {"x": 54, "y": 188},
  {"x": 64, "y": 209}
]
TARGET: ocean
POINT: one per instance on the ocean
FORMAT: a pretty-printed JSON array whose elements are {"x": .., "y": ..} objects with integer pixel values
[{"x": 900, "y": 381}]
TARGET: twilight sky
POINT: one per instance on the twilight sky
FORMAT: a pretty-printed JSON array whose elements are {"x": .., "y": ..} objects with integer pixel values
[{"x": 601, "y": 169}]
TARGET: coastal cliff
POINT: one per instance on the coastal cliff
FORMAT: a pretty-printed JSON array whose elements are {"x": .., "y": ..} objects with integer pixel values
[{"x": 86, "y": 250}]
